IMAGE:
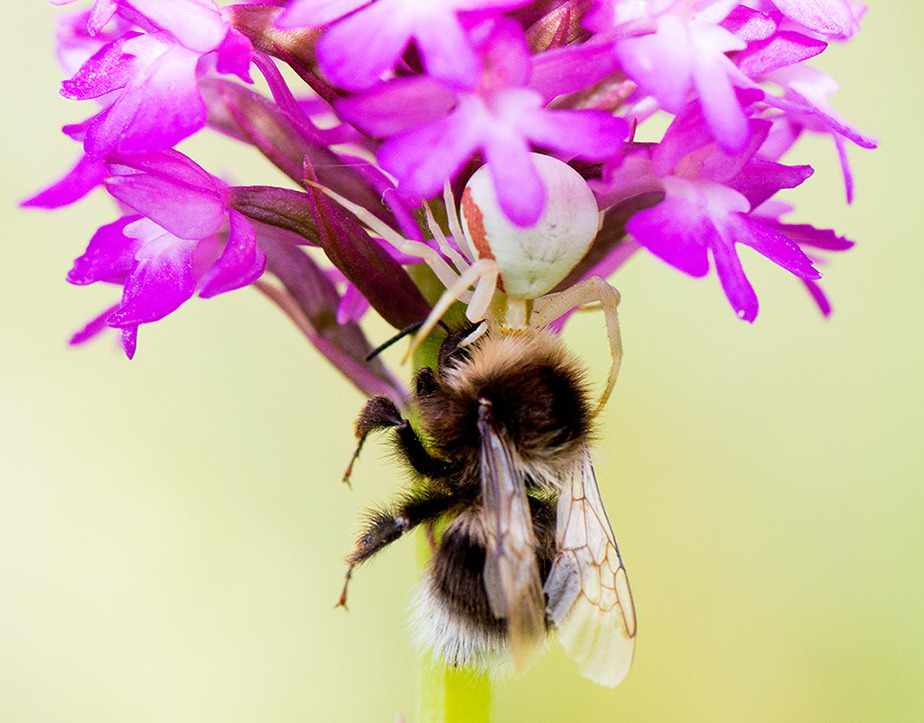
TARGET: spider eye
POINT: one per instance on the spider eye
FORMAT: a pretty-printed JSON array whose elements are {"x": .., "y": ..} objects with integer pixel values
[{"x": 533, "y": 259}]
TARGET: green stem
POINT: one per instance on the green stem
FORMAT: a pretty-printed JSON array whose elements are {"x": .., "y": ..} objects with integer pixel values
[
  {"x": 450, "y": 695},
  {"x": 453, "y": 695},
  {"x": 447, "y": 694}
]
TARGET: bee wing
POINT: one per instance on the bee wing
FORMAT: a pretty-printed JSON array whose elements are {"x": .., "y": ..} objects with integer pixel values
[
  {"x": 587, "y": 588},
  {"x": 511, "y": 573}
]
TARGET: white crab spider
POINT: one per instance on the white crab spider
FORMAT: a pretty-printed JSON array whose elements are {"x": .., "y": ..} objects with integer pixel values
[{"x": 503, "y": 272}]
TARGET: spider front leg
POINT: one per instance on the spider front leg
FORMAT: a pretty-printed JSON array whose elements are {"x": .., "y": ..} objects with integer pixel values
[
  {"x": 443, "y": 271},
  {"x": 552, "y": 306},
  {"x": 483, "y": 274}
]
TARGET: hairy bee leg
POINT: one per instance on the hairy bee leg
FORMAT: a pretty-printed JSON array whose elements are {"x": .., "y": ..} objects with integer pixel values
[
  {"x": 377, "y": 413},
  {"x": 380, "y": 412},
  {"x": 385, "y": 526}
]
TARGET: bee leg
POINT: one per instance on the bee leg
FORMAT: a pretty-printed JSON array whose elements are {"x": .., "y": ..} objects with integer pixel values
[
  {"x": 382, "y": 529},
  {"x": 380, "y": 412},
  {"x": 341, "y": 603},
  {"x": 387, "y": 525}
]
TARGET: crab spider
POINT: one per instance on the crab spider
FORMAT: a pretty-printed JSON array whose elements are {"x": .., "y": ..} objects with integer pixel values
[{"x": 505, "y": 273}]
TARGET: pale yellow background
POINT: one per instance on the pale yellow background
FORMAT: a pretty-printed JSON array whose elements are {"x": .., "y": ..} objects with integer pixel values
[{"x": 172, "y": 528}]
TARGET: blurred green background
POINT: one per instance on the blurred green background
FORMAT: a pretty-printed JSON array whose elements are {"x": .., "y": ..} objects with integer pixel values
[{"x": 172, "y": 528}]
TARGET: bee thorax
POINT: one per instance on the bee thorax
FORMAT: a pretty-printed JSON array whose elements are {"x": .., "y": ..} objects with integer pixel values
[{"x": 533, "y": 389}]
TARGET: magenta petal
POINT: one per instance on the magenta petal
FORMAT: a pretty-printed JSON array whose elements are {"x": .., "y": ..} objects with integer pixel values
[
  {"x": 78, "y": 131},
  {"x": 660, "y": 64},
  {"x": 108, "y": 125},
  {"x": 476, "y": 5},
  {"x": 159, "y": 107},
  {"x": 505, "y": 52},
  {"x": 806, "y": 235},
  {"x": 129, "y": 340},
  {"x": 378, "y": 32},
  {"x": 234, "y": 55},
  {"x": 446, "y": 50},
  {"x": 571, "y": 68},
  {"x": 737, "y": 288},
  {"x": 190, "y": 216},
  {"x": 170, "y": 167},
  {"x": 92, "y": 328},
  {"x": 397, "y": 106},
  {"x": 721, "y": 167},
  {"x": 806, "y": 95},
  {"x": 423, "y": 159},
  {"x": 750, "y": 25},
  {"x": 314, "y": 13},
  {"x": 759, "y": 180},
  {"x": 587, "y": 134},
  {"x": 719, "y": 102},
  {"x": 197, "y": 24},
  {"x": 101, "y": 14},
  {"x": 772, "y": 244},
  {"x": 352, "y": 305},
  {"x": 172, "y": 108},
  {"x": 79, "y": 181},
  {"x": 110, "y": 68},
  {"x": 819, "y": 297},
  {"x": 688, "y": 132},
  {"x": 785, "y": 48},
  {"x": 675, "y": 232},
  {"x": 110, "y": 255},
  {"x": 845, "y": 166},
  {"x": 241, "y": 263},
  {"x": 828, "y": 17},
  {"x": 520, "y": 192},
  {"x": 162, "y": 280},
  {"x": 172, "y": 191}
]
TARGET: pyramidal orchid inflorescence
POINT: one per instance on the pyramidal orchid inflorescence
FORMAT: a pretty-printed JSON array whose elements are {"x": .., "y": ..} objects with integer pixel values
[{"x": 383, "y": 103}]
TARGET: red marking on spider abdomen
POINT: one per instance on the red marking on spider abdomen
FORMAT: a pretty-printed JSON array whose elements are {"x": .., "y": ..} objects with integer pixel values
[{"x": 475, "y": 222}]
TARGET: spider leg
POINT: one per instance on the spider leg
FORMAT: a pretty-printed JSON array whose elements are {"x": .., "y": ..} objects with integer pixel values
[
  {"x": 455, "y": 227},
  {"x": 552, "y": 306},
  {"x": 483, "y": 294},
  {"x": 457, "y": 259},
  {"x": 473, "y": 274},
  {"x": 443, "y": 270}
]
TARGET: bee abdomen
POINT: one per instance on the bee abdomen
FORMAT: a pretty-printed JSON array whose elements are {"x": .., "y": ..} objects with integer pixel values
[{"x": 451, "y": 616}]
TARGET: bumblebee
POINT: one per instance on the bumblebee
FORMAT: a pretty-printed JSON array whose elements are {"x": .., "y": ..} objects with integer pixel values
[{"x": 506, "y": 489}]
